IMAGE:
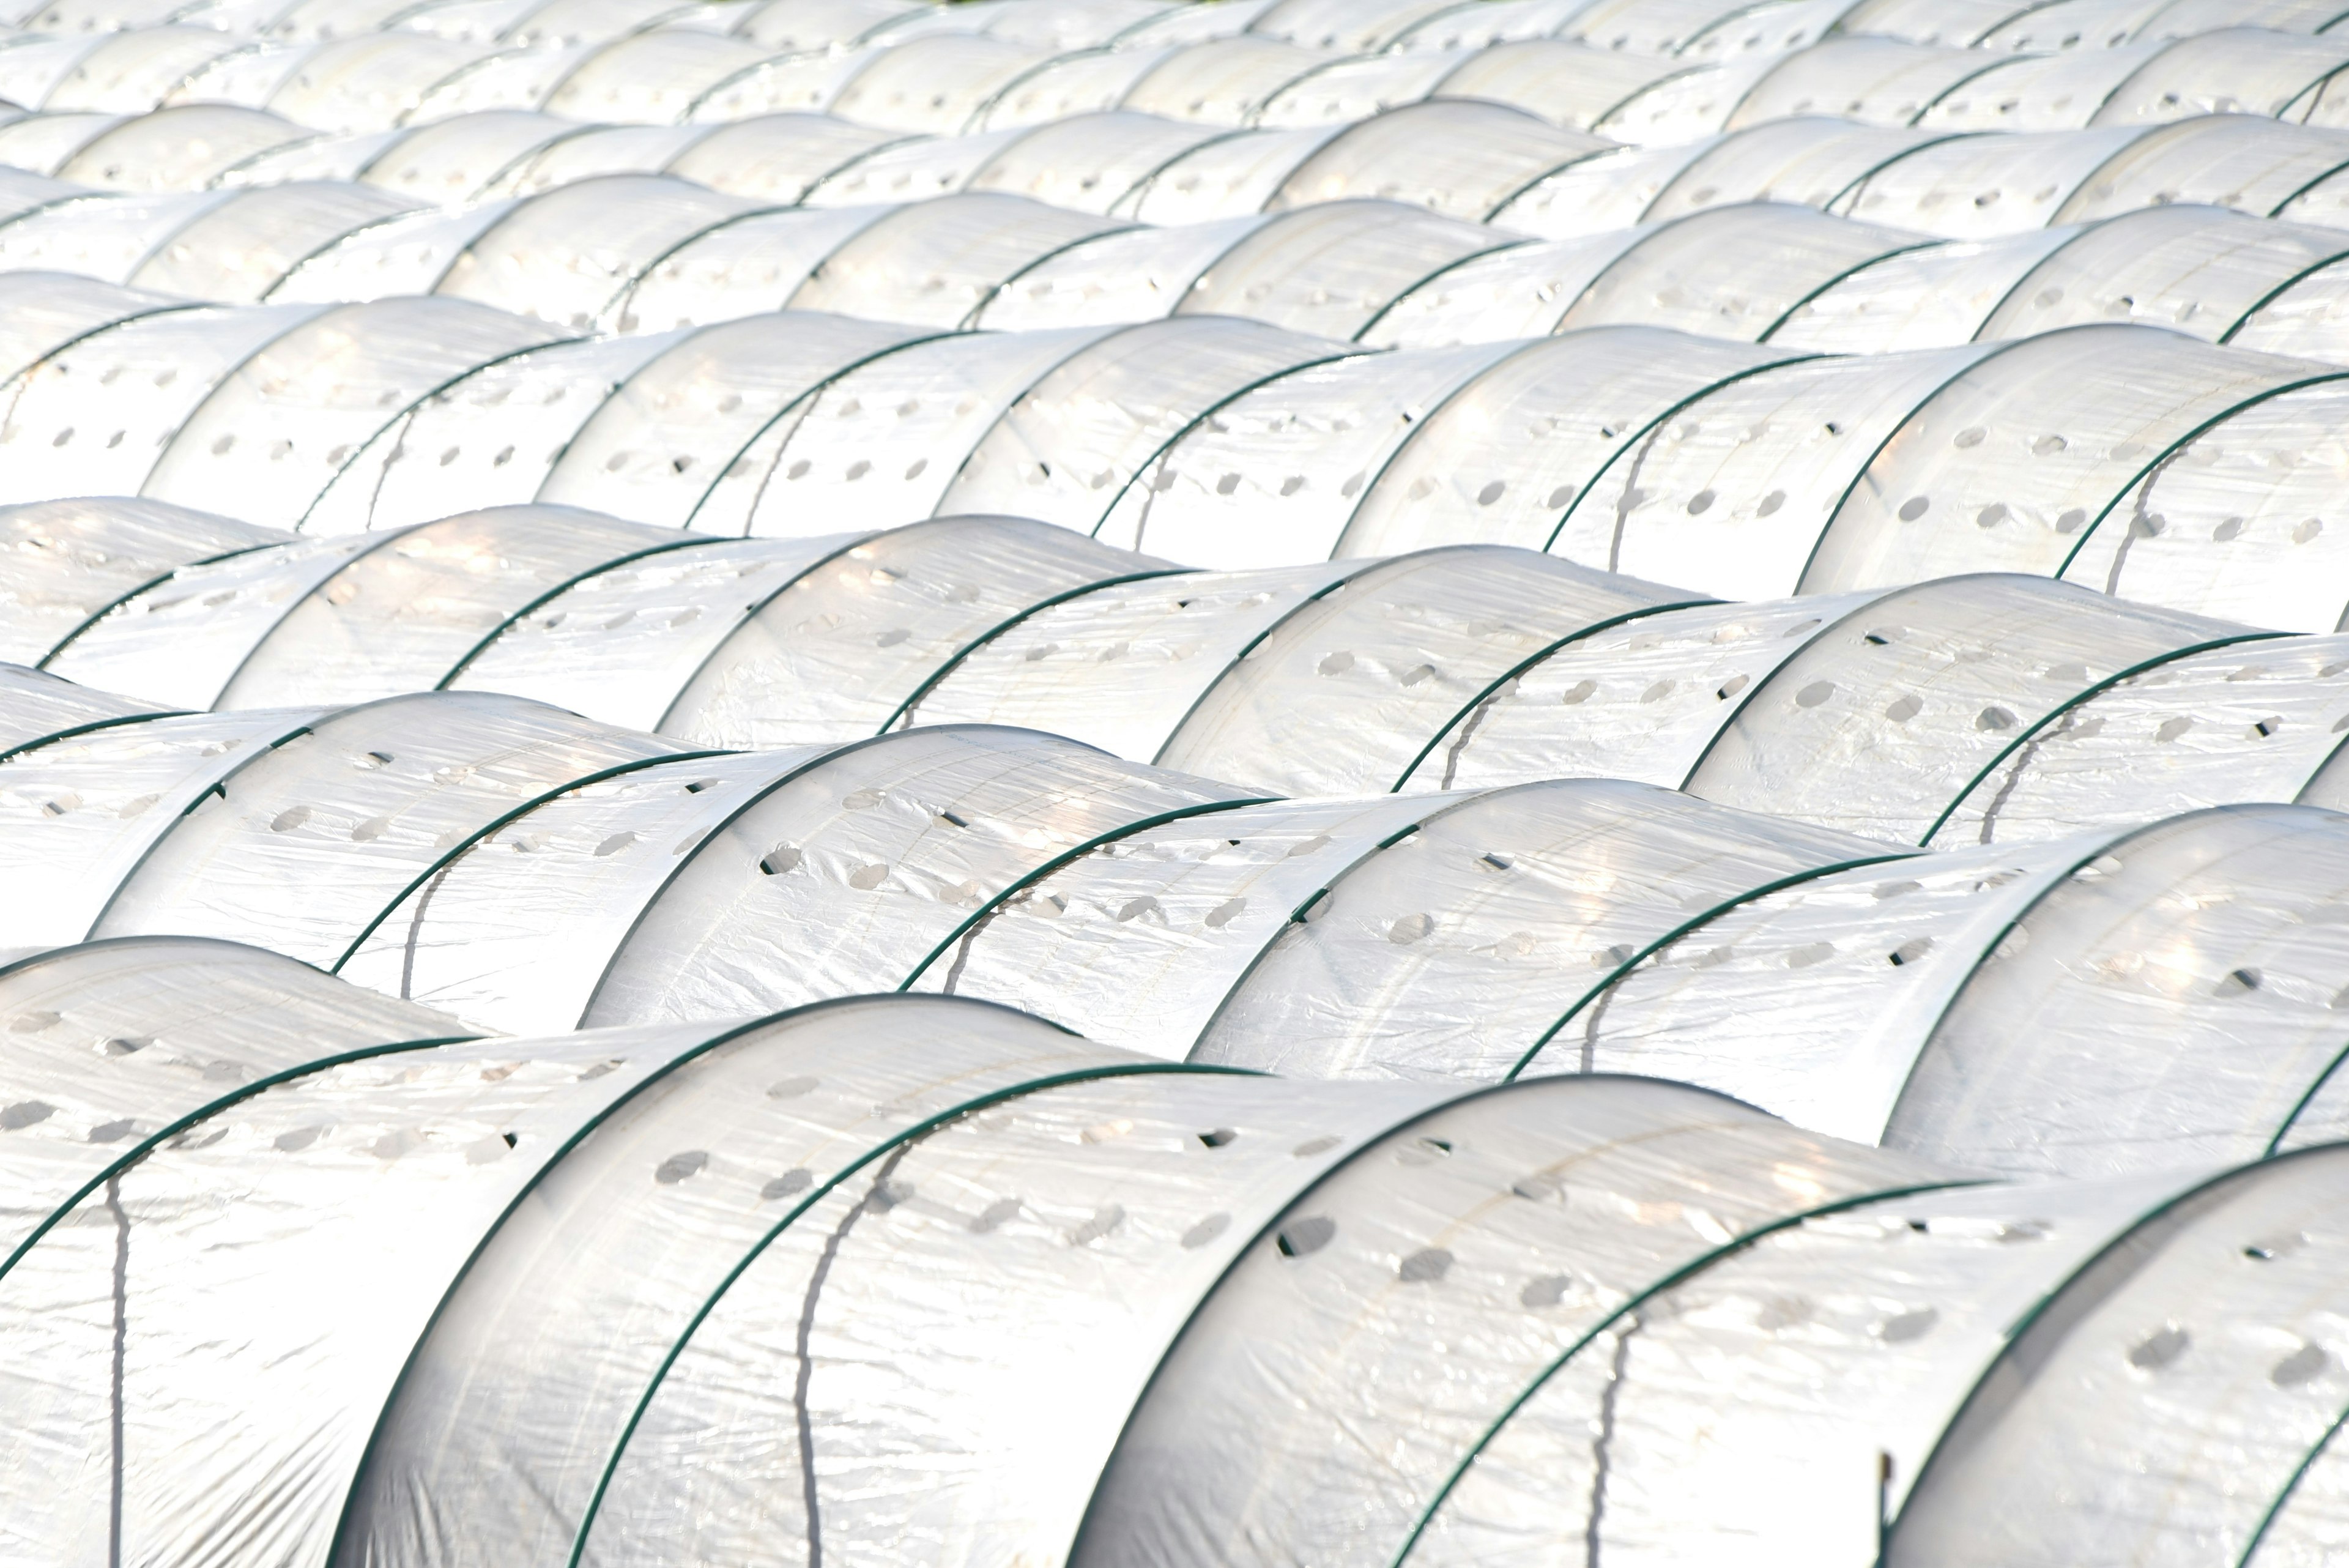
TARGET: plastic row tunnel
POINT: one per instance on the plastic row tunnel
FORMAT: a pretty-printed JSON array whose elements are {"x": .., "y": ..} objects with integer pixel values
[{"x": 843, "y": 1275}]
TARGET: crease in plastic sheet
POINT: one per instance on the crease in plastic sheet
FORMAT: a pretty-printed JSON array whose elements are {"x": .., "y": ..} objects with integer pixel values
[
  {"x": 1063, "y": 1237},
  {"x": 112, "y": 1042},
  {"x": 1454, "y": 952},
  {"x": 350, "y": 811},
  {"x": 865, "y": 862},
  {"x": 1138, "y": 943},
  {"x": 521, "y": 1392},
  {"x": 2208, "y": 1331},
  {"x": 619, "y": 644},
  {"x": 1414, "y": 1292},
  {"x": 851, "y": 641},
  {"x": 1076, "y": 439},
  {"x": 300, "y": 1239},
  {"x": 2247, "y": 721},
  {"x": 1880, "y": 721},
  {"x": 1120, "y": 666},
  {"x": 1343, "y": 694},
  {"x": 1501, "y": 458},
  {"x": 1641, "y": 700},
  {"x": 83, "y": 812},
  {"x": 2193, "y": 964},
  {"x": 1848, "y": 1337}
]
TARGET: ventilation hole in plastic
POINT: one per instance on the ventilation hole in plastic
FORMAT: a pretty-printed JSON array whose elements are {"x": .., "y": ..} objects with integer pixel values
[
  {"x": 679, "y": 1167},
  {"x": 1303, "y": 1238}
]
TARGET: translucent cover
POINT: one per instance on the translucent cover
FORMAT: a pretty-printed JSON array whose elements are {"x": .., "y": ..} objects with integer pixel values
[
  {"x": 886, "y": 438},
  {"x": 399, "y": 616},
  {"x": 93, "y": 415},
  {"x": 1342, "y": 695},
  {"x": 179, "y": 148},
  {"x": 1930, "y": 296},
  {"x": 752, "y": 264},
  {"x": 1331, "y": 267},
  {"x": 656, "y": 447},
  {"x": 1069, "y": 447},
  {"x": 1998, "y": 471},
  {"x": 1119, "y": 666},
  {"x": 1501, "y": 458},
  {"x": 775, "y": 158},
  {"x": 936, "y": 262},
  {"x": 621, "y": 642},
  {"x": 353, "y": 809},
  {"x": 406, "y": 254},
  {"x": 1979, "y": 187},
  {"x": 2198, "y": 955},
  {"x": 868, "y": 882},
  {"x": 1638, "y": 700},
  {"x": 567, "y": 256},
  {"x": 63, "y": 562},
  {"x": 35, "y": 707},
  {"x": 1525, "y": 900},
  {"x": 2241, "y": 722},
  {"x": 1438, "y": 1273},
  {"x": 1887, "y": 716},
  {"x": 1133, "y": 275},
  {"x": 2229, "y": 70},
  {"x": 275, "y": 431},
  {"x": 934, "y": 84},
  {"x": 82, "y": 812},
  {"x": 237, "y": 250},
  {"x": 2201, "y": 1333},
  {"x": 114, "y": 1044},
  {"x": 512, "y": 1410},
  {"x": 1227, "y": 177},
  {"x": 1273, "y": 476},
  {"x": 848, "y": 644},
  {"x": 1223, "y": 81},
  {"x": 1087, "y": 163},
  {"x": 1459, "y": 158},
  {"x": 1810, "y": 160}
]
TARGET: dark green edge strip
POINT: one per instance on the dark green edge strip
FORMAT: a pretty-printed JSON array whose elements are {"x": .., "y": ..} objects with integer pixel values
[
  {"x": 253, "y": 650},
  {"x": 555, "y": 1156},
  {"x": 2086, "y": 694},
  {"x": 1140, "y": 187},
  {"x": 219, "y": 786},
  {"x": 1368, "y": 563},
  {"x": 1541, "y": 655},
  {"x": 1163, "y": 451},
  {"x": 2110, "y": 842},
  {"x": 2169, "y": 453},
  {"x": 11, "y": 754},
  {"x": 1368, "y": 1145},
  {"x": 1843, "y": 276},
  {"x": 1697, "y": 923},
  {"x": 1420, "y": 425},
  {"x": 1305, "y": 906},
  {"x": 804, "y": 399},
  {"x": 2304, "y": 188},
  {"x": 1753, "y": 693},
  {"x": 822, "y": 1189},
  {"x": 2292, "y": 1484},
  {"x": 789, "y": 775},
  {"x": 149, "y": 585},
  {"x": 758, "y": 607},
  {"x": 407, "y": 411},
  {"x": 438, "y": 278},
  {"x": 2283, "y": 1130},
  {"x": 1503, "y": 204},
  {"x": 13, "y": 386},
  {"x": 149, "y": 1144},
  {"x": 2022, "y": 1326},
  {"x": 1938, "y": 99},
  {"x": 1453, "y": 265},
  {"x": 904, "y": 710},
  {"x": 1632, "y": 1304},
  {"x": 474, "y": 839},
  {"x": 994, "y": 904},
  {"x": 630, "y": 558},
  {"x": 616, "y": 304},
  {"x": 1632, "y": 438},
  {"x": 969, "y": 322}
]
